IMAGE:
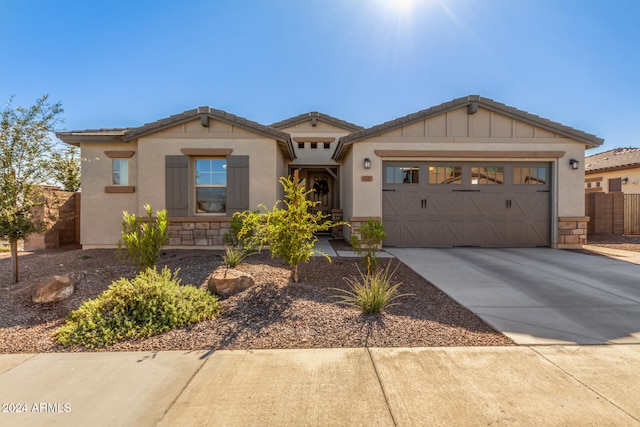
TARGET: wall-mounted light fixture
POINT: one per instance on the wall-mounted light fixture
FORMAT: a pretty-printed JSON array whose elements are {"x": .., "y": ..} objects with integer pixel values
[
  {"x": 367, "y": 163},
  {"x": 624, "y": 181},
  {"x": 574, "y": 163}
]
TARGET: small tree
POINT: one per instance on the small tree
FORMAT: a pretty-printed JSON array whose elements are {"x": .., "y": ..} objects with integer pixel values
[
  {"x": 369, "y": 243},
  {"x": 25, "y": 148},
  {"x": 290, "y": 231},
  {"x": 143, "y": 239},
  {"x": 66, "y": 168}
]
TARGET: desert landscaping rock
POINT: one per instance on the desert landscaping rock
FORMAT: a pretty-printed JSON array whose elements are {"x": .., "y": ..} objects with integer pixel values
[
  {"x": 53, "y": 289},
  {"x": 228, "y": 281},
  {"x": 272, "y": 314}
]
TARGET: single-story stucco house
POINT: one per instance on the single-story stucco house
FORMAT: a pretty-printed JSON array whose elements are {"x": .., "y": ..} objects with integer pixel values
[
  {"x": 469, "y": 172},
  {"x": 613, "y": 171}
]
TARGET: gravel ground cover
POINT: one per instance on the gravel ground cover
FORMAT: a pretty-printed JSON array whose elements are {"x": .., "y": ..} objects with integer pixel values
[
  {"x": 614, "y": 241},
  {"x": 273, "y": 314}
]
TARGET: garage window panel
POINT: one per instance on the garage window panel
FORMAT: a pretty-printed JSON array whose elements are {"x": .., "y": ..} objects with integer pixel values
[
  {"x": 439, "y": 175},
  {"x": 529, "y": 175},
  {"x": 399, "y": 174},
  {"x": 487, "y": 175}
]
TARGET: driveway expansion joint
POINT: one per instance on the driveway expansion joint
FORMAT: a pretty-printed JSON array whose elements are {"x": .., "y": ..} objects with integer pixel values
[
  {"x": 582, "y": 383},
  {"x": 384, "y": 393}
]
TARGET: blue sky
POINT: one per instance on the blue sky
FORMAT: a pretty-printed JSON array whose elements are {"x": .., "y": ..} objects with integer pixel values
[{"x": 125, "y": 63}]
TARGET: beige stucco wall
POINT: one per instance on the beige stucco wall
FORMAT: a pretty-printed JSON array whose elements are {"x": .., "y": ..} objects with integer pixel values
[
  {"x": 457, "y": 131},
  {"x": 102, "y": 213},
  {"x": 631, "y": 187},
  {"x": 265, "y": 158}
]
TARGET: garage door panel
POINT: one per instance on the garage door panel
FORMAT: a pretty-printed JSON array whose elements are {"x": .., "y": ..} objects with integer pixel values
[
  {"x": 443, "y": 233},
  {"x": 514, "y": 211},
  {"x": 473, "y": 204},
  {"x": 530, "y": 205},
  {"x": 486, "y": 233},
  {"x": 401, "y": 203},
  {"x": 538, "y": 233},
  {"x": 495, "y": 204},
  {"x": 405, "y": 233}
]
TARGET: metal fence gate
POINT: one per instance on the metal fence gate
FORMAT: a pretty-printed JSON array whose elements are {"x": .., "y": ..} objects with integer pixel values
[{"x": 632, "y": 214}]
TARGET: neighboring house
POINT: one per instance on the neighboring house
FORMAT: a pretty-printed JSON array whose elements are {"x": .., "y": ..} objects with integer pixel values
[
  {"x": 614, "y": 171},
  {"x": 470, "y": 172}
]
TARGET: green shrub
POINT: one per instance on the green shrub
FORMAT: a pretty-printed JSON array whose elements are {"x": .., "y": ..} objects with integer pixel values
[
  {"x": 289, "y": 231},
  {"x": 231, "y": 238},
  {"x": 143, "y": 240},
  {"x": 234, "y": 256},
  {"x": 371, "y": 292},
  {"x": 151, "y": 303},
  {"x": 369, "y": 243}
]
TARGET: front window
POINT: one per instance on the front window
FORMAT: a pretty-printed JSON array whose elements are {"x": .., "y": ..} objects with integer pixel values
[
  {"x": 211, "y": 185},
  {"x": 120, "y": 171}
]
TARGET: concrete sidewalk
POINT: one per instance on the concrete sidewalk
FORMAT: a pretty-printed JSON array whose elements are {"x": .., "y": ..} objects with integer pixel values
[{"x": 542, "y": 385}]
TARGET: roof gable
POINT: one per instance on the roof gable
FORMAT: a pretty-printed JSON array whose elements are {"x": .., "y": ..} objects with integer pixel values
[
  {"x": 526, "y": 124},
  {"x": 313, "y": 118}
]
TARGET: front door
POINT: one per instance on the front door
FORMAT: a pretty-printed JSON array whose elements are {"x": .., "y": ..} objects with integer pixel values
[{"x": 322, "y": 186}]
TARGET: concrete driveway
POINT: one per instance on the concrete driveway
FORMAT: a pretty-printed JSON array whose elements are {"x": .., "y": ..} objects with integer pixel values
[{"x": 538, "y": 296}]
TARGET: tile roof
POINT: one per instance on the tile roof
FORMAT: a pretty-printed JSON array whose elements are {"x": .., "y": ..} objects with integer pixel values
[
  {"x": 75, "y": 137},
  {"x": 324, "y": 117},
  {"x": 128, "y": 134},
  {"x": 489, "y": 104},
  {"x": 616, "y": 159}
]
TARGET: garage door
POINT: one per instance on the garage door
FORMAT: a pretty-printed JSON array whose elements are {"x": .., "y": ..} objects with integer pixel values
[{"x": 444, "y": 204}]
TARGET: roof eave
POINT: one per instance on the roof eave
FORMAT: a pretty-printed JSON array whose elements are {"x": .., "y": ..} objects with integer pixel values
[
  {"x": 76, "y": 138},
  {"x": 283, "y": 138},
  {"x": 589, "y": 140},
  {"x": 612, "y": 169}
]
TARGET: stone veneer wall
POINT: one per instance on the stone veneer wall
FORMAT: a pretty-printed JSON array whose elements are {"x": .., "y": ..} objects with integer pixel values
[
  {"x": 356, "y": 221},
  {"x": 572, "y": 231},
  {"x": 204, "y": 231}
]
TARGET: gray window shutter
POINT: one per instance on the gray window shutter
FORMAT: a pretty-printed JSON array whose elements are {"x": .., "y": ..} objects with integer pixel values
[
  {"x": 177, "y": 185},
  {"x": 237, "y": 184}
]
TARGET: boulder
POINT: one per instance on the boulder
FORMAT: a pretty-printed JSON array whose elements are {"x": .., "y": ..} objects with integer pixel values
[
  {"x": 228, "y": 281},
  {"x": 53, "y": 289}
]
